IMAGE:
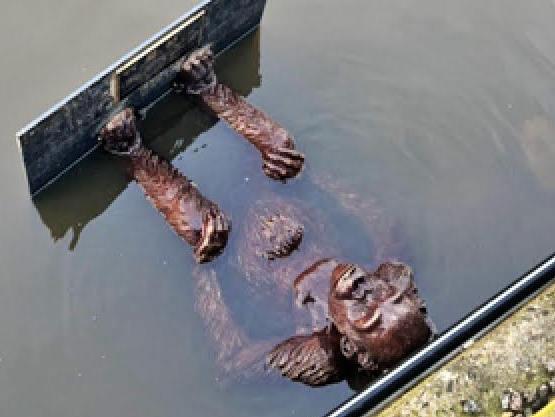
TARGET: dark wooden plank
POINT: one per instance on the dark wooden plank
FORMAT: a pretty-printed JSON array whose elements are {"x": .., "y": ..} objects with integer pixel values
[
  {"x": 62, "y": 136},
  {"x": 158, "y": 56}
]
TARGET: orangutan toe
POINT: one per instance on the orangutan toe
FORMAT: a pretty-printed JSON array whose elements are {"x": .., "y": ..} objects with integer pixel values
[
  {"x": 292, "y": 153},
  {"x": 283, "y": 163},
  {"x": 215, "y": 232}
]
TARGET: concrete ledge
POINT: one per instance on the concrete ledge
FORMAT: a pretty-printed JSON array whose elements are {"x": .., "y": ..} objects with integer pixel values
[{"x": 548, "y": 411}]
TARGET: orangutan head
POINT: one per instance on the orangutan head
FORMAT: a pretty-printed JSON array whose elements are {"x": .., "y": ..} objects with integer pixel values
[{"x": 380, "y": 316}]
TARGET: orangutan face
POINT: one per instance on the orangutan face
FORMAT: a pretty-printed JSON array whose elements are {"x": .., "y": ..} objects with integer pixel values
[
  {"x": 379, "y": 314},
  {"x": 120, "y": 136}
]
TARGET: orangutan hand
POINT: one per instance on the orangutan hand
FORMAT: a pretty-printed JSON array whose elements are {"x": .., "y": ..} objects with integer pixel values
[
  {"x": 197, "y": 71},
  {"x": 215, "y": 232},
  {"x": 282, "y": 163}
]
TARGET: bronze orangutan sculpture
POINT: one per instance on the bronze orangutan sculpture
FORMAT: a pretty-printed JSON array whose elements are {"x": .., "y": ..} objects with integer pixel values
[
  {"x": 347, "y": 322},
  {"x": 197, "y": 220},
  {"x": 276, "y": 146},
  {"x": 344, "y": 333}
]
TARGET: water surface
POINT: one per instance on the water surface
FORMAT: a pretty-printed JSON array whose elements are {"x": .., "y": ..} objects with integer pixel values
[{"x": 443, "y": 112}]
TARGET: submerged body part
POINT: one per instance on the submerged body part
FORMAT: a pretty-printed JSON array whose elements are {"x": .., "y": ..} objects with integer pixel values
[
  {"x": 276, "y": 146},
  {"x": 283, "y": 249},
  {"x": 196, "y": 219},
  {"x": 376, "y": 319}
]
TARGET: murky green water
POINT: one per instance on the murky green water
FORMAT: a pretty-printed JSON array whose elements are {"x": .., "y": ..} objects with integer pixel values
[{"x": 442, "y": 111}]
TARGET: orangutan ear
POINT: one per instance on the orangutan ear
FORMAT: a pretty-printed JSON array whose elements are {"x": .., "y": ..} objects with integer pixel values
[{"x": 312, "y": 359}]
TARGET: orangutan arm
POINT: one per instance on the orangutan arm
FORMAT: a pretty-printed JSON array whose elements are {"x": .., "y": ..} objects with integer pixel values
[
  {"x": 196, "y": 219},
  {"x": 236, "y": 355},
  {"x": 277, "y": 147},
  {"x": 192, "y": 216}
]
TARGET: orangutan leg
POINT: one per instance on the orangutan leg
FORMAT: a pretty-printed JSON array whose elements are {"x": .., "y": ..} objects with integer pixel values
[
  {"x": 192, "y": 216},
  {"x": 277, "y": 147}
]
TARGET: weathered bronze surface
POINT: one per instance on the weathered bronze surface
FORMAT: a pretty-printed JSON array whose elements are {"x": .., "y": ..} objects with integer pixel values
[{"x": 380, "y": 314}]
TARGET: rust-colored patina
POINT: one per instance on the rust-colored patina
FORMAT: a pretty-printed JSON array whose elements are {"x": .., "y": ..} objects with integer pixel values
[
  {"x": 281, "y": 160},
  {"x": 199, "y": 221}
]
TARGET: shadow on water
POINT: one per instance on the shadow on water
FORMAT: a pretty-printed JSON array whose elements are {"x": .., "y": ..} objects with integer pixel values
[{"x": 89, "y": 189}]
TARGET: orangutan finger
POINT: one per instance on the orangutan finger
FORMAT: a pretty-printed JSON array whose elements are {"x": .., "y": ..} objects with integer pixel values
[
  {"x": 209, "y": 227},
  {"x": 292, "y": 153},
  {"x": 274, "y": 171},
  {"x": 283, "y": 161},
  {"x": 281, "y": 166}
]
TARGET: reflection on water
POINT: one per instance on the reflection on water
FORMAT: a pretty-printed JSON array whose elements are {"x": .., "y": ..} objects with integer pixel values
[
  {"x": 170, "y": 127},
  {"x": 442, "y": 112}
]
